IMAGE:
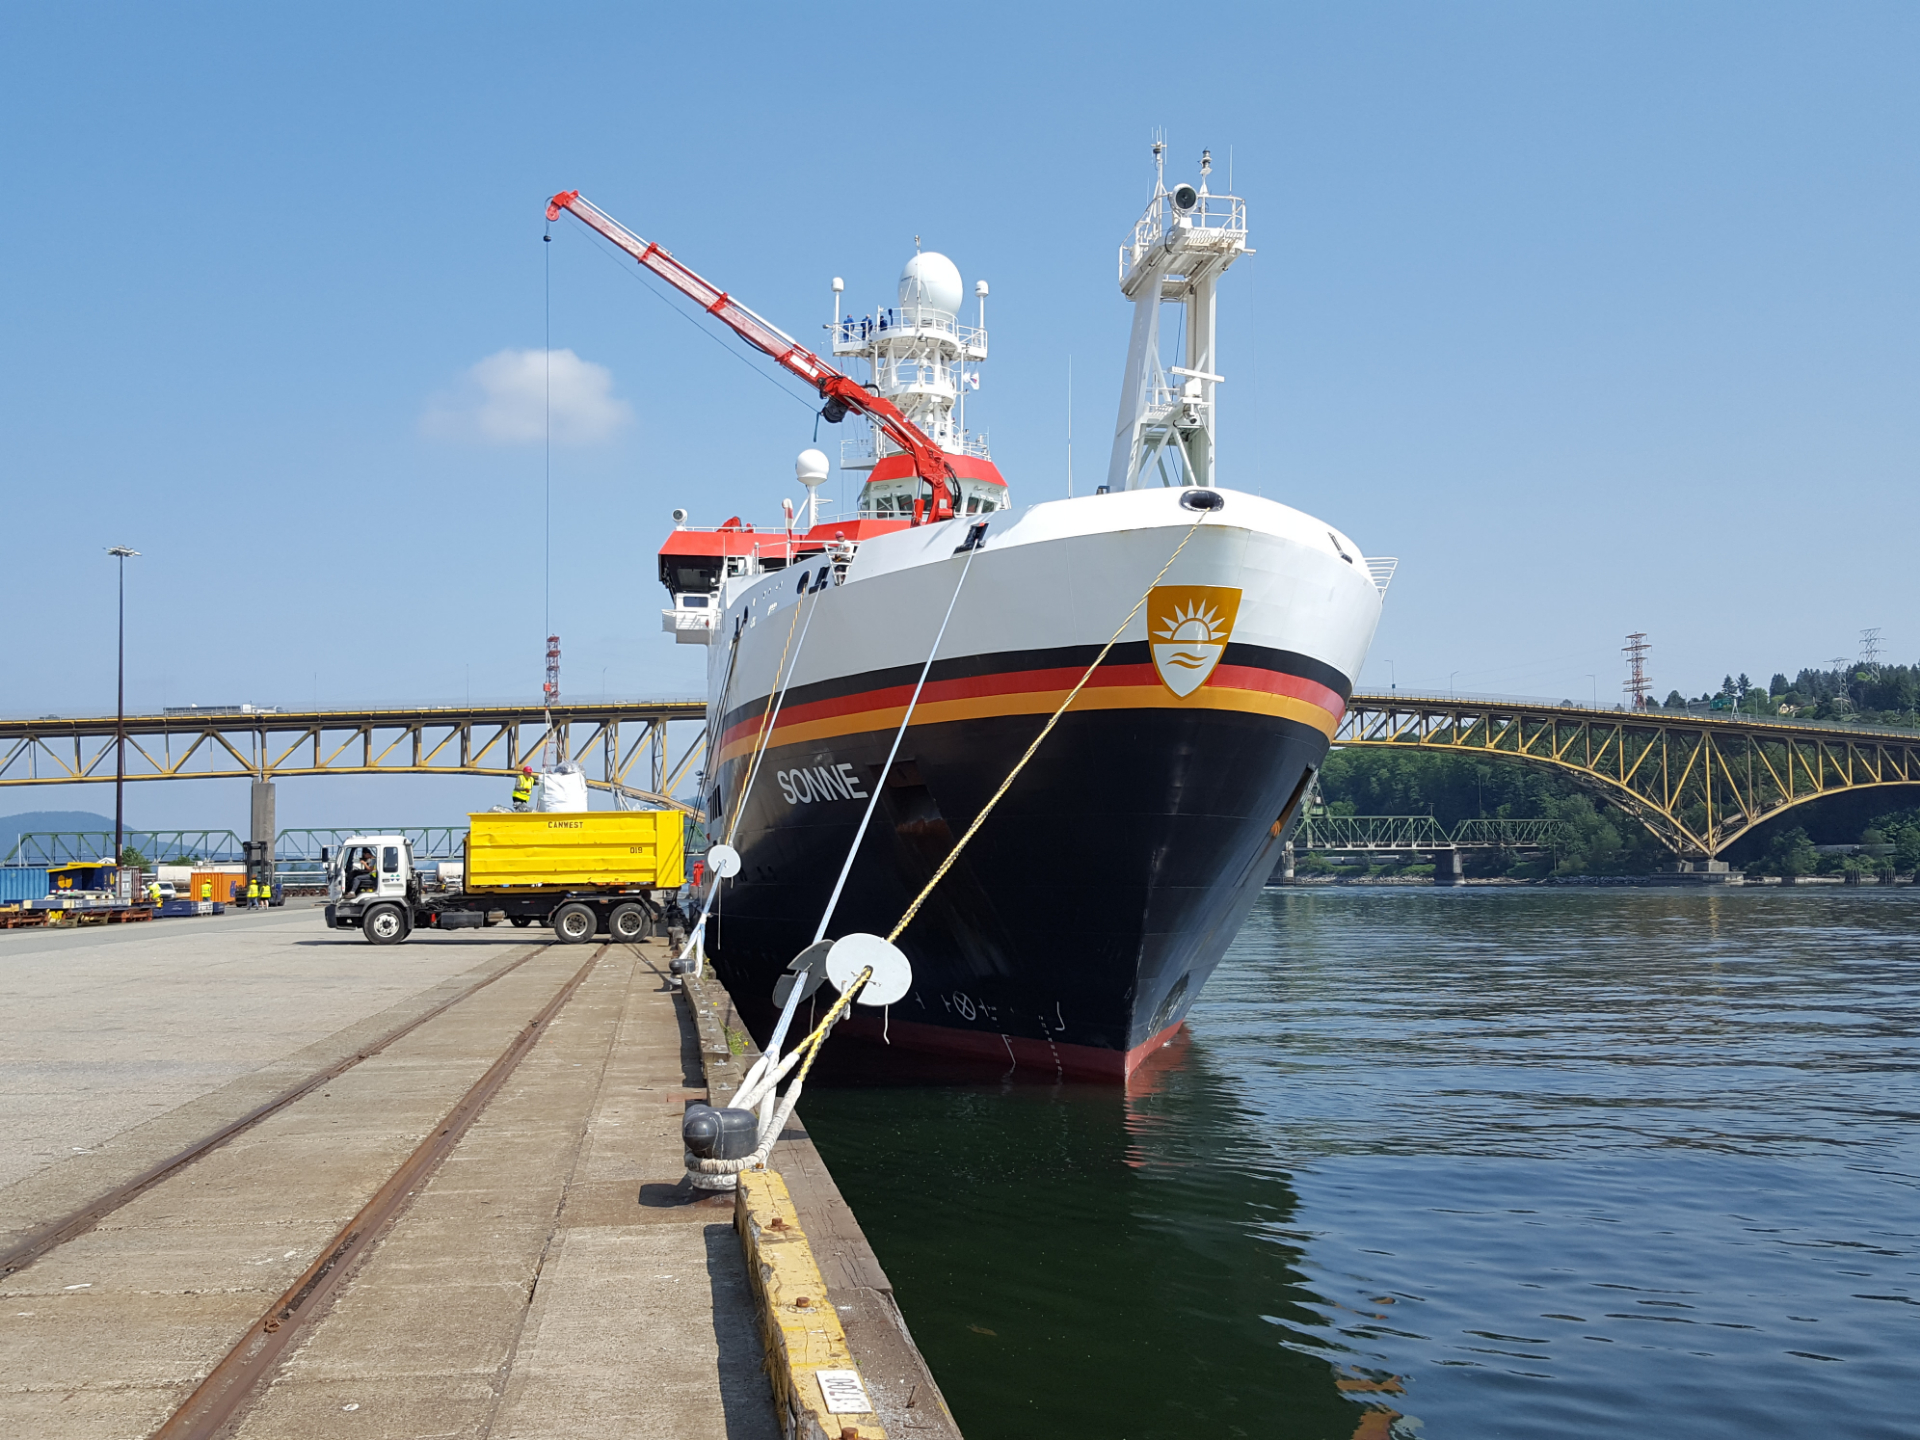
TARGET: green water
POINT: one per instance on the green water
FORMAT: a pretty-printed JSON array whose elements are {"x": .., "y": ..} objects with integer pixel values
[{"x": 1448, "y": 1163}]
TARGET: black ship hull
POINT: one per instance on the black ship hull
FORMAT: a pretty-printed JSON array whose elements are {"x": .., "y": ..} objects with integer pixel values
[{"x": 1082, "y": 921}]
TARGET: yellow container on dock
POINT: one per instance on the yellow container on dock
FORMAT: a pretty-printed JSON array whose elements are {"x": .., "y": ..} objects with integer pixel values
[{"x": 543, "y": 850}]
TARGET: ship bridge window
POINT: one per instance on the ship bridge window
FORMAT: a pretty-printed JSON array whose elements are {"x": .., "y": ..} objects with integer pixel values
[
  {"x": 886, "y": 504},
  {"x": 690, "y": 572},
  {"x": 694, "y": 602},
  {"x": 982, "y": 499}
]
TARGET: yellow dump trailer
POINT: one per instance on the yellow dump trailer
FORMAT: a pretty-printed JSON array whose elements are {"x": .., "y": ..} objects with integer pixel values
[
  {"x": 612, "y": 873},
  {"x": 532, "y": 850}
]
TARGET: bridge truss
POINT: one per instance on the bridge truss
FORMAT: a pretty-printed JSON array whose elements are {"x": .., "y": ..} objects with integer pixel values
[
  {"x": 623, "y": 746},
  {"x": 1697, "y": 783},
  {"x": 173, "y": 847},
  {"x": 1419, "y": 834}
]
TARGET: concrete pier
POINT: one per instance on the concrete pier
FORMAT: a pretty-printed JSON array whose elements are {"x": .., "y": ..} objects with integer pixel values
[{"x": 549, "y": 1276}]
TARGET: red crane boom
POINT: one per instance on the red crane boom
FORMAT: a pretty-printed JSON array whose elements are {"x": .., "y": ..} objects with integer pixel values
[{"x": 841, "y": 392}]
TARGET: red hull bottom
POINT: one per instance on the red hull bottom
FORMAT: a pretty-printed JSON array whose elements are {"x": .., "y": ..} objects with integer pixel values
[{"x": 1040, "y": 1057}]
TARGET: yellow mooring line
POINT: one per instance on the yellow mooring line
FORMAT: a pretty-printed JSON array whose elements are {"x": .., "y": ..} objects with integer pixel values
[{"x": 1045, "y": 730}]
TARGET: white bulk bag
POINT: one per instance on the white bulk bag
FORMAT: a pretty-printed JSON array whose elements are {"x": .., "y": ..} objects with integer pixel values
[{"x": 562, "y": 790}]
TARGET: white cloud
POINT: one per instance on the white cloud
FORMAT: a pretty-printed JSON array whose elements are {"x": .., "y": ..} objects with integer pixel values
[{"x": 504, "y": 400}]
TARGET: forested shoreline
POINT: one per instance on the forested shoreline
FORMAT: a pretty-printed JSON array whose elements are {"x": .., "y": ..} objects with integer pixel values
[{"x": 1874, "y": 694}]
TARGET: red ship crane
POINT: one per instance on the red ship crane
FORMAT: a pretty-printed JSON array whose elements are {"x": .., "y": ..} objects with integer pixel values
[{"x": 840, "y": 392}]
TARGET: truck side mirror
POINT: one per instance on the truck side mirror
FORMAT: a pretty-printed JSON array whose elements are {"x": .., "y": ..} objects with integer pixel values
[{"x": 323, "y": 854}]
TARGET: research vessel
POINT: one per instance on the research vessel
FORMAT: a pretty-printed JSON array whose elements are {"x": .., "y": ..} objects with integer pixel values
[{"x": 1076, "y": 929}]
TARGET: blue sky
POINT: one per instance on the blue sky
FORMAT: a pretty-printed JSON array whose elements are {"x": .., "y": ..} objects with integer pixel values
[{"x": 1600, "y": 317}]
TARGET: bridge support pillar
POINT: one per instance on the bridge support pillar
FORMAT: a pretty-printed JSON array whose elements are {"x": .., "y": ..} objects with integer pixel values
[
  {"x": 261, "y": 828},
  {"x": 1446, "y": 868},
  {"x": 1283, "y": 872}
]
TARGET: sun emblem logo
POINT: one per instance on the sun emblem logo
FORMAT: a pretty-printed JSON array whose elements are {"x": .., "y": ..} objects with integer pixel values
[{"x": 1188, "y": 627}]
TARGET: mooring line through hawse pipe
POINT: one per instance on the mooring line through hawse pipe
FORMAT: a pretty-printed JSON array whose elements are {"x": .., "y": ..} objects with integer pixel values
[{"x": 759, "y": 1086}]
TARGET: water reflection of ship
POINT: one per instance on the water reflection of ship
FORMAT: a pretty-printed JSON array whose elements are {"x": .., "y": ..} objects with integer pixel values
[{"x": 1080, "y": 1260}]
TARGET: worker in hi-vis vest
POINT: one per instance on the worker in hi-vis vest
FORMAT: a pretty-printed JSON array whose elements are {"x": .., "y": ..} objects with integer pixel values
[
  {"x": 523, "y": 789},
  {"x": 253, "y": 894},
  {"x": 206, "y": 889}
]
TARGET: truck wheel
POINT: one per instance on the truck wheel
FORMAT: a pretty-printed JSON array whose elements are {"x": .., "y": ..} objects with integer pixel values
[
  {"x": 629, "y": 924},
  {"x": 384, "y": 925},
  {"x": 574, "y": 923}
]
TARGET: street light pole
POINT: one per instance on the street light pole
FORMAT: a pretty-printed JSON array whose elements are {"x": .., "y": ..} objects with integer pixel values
[{"x": 120, "y": 553}]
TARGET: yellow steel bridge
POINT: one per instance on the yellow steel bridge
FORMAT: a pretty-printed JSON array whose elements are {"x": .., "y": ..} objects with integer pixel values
[
  {"x": 1699, "y": 783},
  {"x": 623, "y": 746}
]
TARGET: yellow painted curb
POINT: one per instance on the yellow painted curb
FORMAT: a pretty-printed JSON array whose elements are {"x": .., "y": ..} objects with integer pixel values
[{"x": 798, "y": 1324}]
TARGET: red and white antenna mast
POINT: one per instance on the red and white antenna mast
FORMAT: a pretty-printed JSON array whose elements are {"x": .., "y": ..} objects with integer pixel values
[{"x": 550, "y": 693}]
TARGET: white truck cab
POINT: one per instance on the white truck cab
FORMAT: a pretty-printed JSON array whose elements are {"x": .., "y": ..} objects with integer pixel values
[{"x": 371, "y": 867}]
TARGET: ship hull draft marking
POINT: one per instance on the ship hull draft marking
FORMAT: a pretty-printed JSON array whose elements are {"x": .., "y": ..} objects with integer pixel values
[{"x": 1190, "y": 626}]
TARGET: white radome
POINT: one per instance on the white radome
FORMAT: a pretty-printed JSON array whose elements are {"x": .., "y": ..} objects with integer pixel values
[
  {"x": 811, "y": 468},
  {"x": 933, "y": 281}
]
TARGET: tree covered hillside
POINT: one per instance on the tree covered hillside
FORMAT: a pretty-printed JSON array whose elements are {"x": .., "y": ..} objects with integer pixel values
[
  {"x": 1879, "y": 694},
  {"x": 1597, "y": 839}
]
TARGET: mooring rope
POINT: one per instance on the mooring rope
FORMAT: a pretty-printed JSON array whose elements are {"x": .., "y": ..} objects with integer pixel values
[
  {"x": 806, "y": 1052},
  {"x": 763, "y": 1079},
  {"x": 886, "y": 770},
  {"x": 775, "y": 699},
  {"x": 1045, "y": 730},
  {"x": 772, "y": 1053},
  {"x": 768, "y": 719}
]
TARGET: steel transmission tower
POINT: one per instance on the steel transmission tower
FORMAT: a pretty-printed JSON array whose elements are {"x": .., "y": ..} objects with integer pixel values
[{"x": 1636, "y": 684}]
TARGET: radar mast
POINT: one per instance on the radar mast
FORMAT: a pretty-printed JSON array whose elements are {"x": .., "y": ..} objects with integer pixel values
[
  {"x": 922, "y": 359},
  {"x": 1176, "y": 255}
]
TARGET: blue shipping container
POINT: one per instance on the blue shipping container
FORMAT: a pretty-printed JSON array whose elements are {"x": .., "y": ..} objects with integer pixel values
[{"x": 23, "y": 882}]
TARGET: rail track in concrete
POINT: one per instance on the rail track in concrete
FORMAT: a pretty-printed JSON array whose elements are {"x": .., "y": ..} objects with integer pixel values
[
  {"x": 231, "y": 1384},
  {"x": 72, "y": 1226},
  {"x": 542, "y": 1097},
  {"x": 464, "y": 1214}
]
